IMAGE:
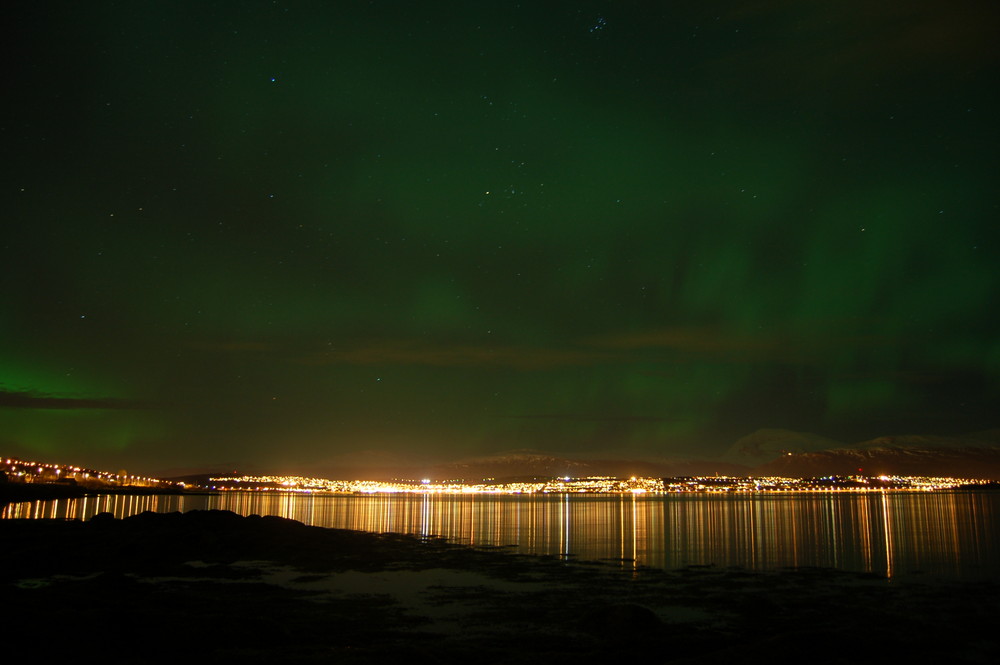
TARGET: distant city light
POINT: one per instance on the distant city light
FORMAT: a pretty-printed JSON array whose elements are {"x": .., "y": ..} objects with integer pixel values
[{"x": 34, "y": 472}]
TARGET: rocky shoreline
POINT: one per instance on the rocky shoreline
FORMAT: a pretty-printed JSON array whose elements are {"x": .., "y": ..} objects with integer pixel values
[{"x": 214, "y": 585}]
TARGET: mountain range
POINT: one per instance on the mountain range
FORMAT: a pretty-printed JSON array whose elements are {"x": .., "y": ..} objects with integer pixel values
[
  {"x": 974, "y": 455},
  {"x": 765, "y": 452}
]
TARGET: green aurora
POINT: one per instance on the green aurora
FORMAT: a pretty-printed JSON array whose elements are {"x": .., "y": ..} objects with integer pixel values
[{"x": 279, "y": 233}]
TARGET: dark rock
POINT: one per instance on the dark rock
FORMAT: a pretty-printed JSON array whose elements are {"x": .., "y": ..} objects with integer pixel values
[{"x": 623, "y": 621}]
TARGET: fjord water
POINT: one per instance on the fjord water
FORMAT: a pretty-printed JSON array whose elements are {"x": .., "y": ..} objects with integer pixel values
[{"x": 954, "y": 535}]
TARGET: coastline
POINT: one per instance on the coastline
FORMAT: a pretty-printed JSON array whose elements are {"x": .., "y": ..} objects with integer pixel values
[
  {"x": 268, "y": 588},
  {"x": 18, "y": 492}
]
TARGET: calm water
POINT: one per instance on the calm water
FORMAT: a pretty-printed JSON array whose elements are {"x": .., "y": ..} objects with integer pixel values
[{"x": 953, "y": 535}]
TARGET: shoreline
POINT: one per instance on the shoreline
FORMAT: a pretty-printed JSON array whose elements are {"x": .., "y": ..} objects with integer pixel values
[
  {"x": 25, "y": 492},
  {"x": 22, "y": 492},
  {"x": 266, "y": 588}
]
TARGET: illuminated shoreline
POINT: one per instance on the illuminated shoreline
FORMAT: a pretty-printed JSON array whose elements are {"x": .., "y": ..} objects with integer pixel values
[
  {"x": 595, "y": 485},
  {"x": 20, "y": 472}
]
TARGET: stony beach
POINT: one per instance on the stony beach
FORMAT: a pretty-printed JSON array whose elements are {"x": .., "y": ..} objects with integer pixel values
[{"x": 225, "y": 588}]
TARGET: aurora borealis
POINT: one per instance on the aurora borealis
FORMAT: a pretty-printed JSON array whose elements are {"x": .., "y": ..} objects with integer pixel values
[{"x": 283, "y": 233}]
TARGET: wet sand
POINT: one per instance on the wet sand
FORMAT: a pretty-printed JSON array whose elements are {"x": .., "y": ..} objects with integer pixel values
[{"x": 217, "y": 586}]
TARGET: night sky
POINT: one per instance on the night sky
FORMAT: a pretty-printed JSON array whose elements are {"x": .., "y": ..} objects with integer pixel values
[{"x": 286, "y": 233}]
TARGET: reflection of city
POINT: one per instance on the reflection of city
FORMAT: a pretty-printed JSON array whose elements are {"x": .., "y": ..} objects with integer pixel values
[{"x": 892, "y": 533}]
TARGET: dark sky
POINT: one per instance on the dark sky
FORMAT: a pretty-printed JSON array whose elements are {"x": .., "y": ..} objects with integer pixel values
[{"x": 285, "y": 232}]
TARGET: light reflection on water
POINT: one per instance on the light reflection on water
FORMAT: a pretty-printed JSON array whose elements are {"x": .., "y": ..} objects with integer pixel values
[{"x": 955, "y": 535}]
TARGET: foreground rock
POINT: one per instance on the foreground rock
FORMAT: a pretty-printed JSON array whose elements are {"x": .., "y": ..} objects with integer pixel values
[{"x": 215, "y": 586}]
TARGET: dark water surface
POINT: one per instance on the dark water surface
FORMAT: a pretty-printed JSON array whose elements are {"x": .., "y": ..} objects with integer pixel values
[{"x": 954, "y": 535}]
